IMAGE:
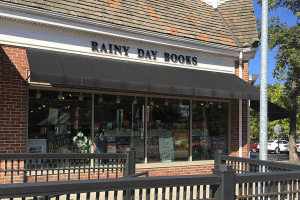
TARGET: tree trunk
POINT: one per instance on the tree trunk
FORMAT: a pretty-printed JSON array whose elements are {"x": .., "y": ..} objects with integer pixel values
[{"x": 293, "y": 156}]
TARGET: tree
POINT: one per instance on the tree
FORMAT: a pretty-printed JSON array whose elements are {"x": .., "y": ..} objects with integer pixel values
[
  {"x": 286, "y": 41},
  {"x": 277, "y": 96}
]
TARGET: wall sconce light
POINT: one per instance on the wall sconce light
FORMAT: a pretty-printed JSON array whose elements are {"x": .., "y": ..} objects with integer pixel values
[
  {"x": 118, "y": 100},
  {"x": 60, "y": 96},
  {"x": 166, "y": 102},
  {"x": 151, "y": 102},
  {"x": 134, "y": 100},
  {"x": 180, "y": 103},
  {"x": 219, "y": 105},
  {"x": 80, "y": 98},
  {"x": 194, "y": 104},
  {"x": 38, "y": 95},
  {"x": 100, "y": 99},
  {"x": 206, "y": 105}
]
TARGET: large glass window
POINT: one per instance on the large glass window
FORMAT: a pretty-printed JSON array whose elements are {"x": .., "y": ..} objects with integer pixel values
[
  {"x": 119, "y": 124},
  {"x": 59, "y": 122},
  {"x": 210, "y": 129},
  {"x": 168, "y": 130}
]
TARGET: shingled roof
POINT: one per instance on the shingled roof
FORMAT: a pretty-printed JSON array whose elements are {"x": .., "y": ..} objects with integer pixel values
[{"x": 182, "y": 18}]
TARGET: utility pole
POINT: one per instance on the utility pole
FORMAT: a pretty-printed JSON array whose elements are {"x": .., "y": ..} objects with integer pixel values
[{"x": 263, "y": 135}]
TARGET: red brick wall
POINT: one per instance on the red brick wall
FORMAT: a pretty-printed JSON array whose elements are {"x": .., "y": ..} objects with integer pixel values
[
  {"x": 5, "y": 178},
  {"x": 245, "y": 73},
  {"x": 13, "y": 93},
  {"x": 234, "y": 118},
  {"x": 177, "y": 171}
]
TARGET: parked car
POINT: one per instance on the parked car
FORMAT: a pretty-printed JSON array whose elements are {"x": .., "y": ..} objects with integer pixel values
[
  {"x": 273, "y": 146},
  {"x": 297, "y": 146},
  {"x": 253, "y": 146}
]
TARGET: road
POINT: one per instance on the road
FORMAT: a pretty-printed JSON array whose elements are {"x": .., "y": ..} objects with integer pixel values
[{"x": 272, "y": 156}]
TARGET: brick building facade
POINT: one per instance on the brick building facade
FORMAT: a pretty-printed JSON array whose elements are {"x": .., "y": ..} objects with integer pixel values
[{"x": 19, "y": 64}]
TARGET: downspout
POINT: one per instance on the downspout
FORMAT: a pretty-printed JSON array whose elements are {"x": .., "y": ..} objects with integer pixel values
[
  {"x": 240, "y": 112},
  {"x": 248, "y": 129},
  {"x": 240, "y": 107}
]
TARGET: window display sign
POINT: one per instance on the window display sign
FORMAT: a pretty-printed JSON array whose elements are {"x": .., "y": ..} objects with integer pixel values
[
  {"x": 37, "y": 146},
  {"x": 153, "y": 148},
  {"x": 181, "y": 144},
  {"x": 111, "y": 148},
  {"x": 56, "y": 143},
  {"x": 138, "y": 144},
  {"x": 166, "y": 149},
  {"x": 220, "y": 143},
  {"x": 123, "y": 142}
]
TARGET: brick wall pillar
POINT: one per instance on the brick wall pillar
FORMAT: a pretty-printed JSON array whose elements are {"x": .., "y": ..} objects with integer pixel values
[
  {"x": 234, "y": 118},
  {"x": 13, "y": 95}
]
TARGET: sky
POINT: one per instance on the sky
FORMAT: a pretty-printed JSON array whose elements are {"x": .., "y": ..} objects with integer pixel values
[{"x": 255, "y": 63}]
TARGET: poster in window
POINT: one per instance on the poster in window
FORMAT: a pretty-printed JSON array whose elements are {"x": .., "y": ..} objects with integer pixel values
[
  {"x": 37, "y": 145},
  {"x": 111, "y": 148},
  {"x": 138, "y": 144},
  {"x": 166, "y": 149},
  {"x": 122, "y": 142},
  {"x": 153, "y": 148},
  {"x": 219, "y": 143},
  {"x": 122, "y": 148},
  {"x": 181, "y": 144}
]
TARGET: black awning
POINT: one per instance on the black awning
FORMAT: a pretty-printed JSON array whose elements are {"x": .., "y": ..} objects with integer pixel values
[
  {"x": 274, "y": 112},
  {"x": 78, "y": 70}
]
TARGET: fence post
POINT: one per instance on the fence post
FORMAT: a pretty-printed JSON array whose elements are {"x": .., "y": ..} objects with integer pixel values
[
  {"x": 218, "y": 157},
  {"x": 226, "y": 191},
  {"x": 130, "y": 162}
]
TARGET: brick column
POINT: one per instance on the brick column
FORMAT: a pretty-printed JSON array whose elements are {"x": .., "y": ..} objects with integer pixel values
[
  {"x": 234, "y": 118},
  {"x": 13, "y": 95}
]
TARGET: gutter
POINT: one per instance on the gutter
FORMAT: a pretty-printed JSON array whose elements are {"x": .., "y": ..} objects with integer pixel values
[{"x": 228, "y": 29}]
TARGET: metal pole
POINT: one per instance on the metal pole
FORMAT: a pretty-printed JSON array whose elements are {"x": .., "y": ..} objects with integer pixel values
[
  {"x": 278, "y": 149},
  {"x": 263, "y": 153},
  {"x": 263, "y": 134}
]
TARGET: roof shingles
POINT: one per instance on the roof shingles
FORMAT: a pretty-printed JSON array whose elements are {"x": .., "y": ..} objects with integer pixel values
[
  {"x": 182, "y": 18},
  {"x": 239, "y": 16}
]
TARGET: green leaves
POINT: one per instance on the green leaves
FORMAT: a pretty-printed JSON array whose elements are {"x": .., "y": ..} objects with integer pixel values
[
  {"x": 288, "y": 54},
  {"x": 285, "y": 40},
  {"x": 292, "y": 5}
]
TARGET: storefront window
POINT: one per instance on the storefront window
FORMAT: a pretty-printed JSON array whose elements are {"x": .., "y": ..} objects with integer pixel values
[
  {"x": 210, "y": 129},
  {"x": 59, "y": 122},
  {"x": 168, "y": 130},
  {"x": 119, "y": 124}
]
